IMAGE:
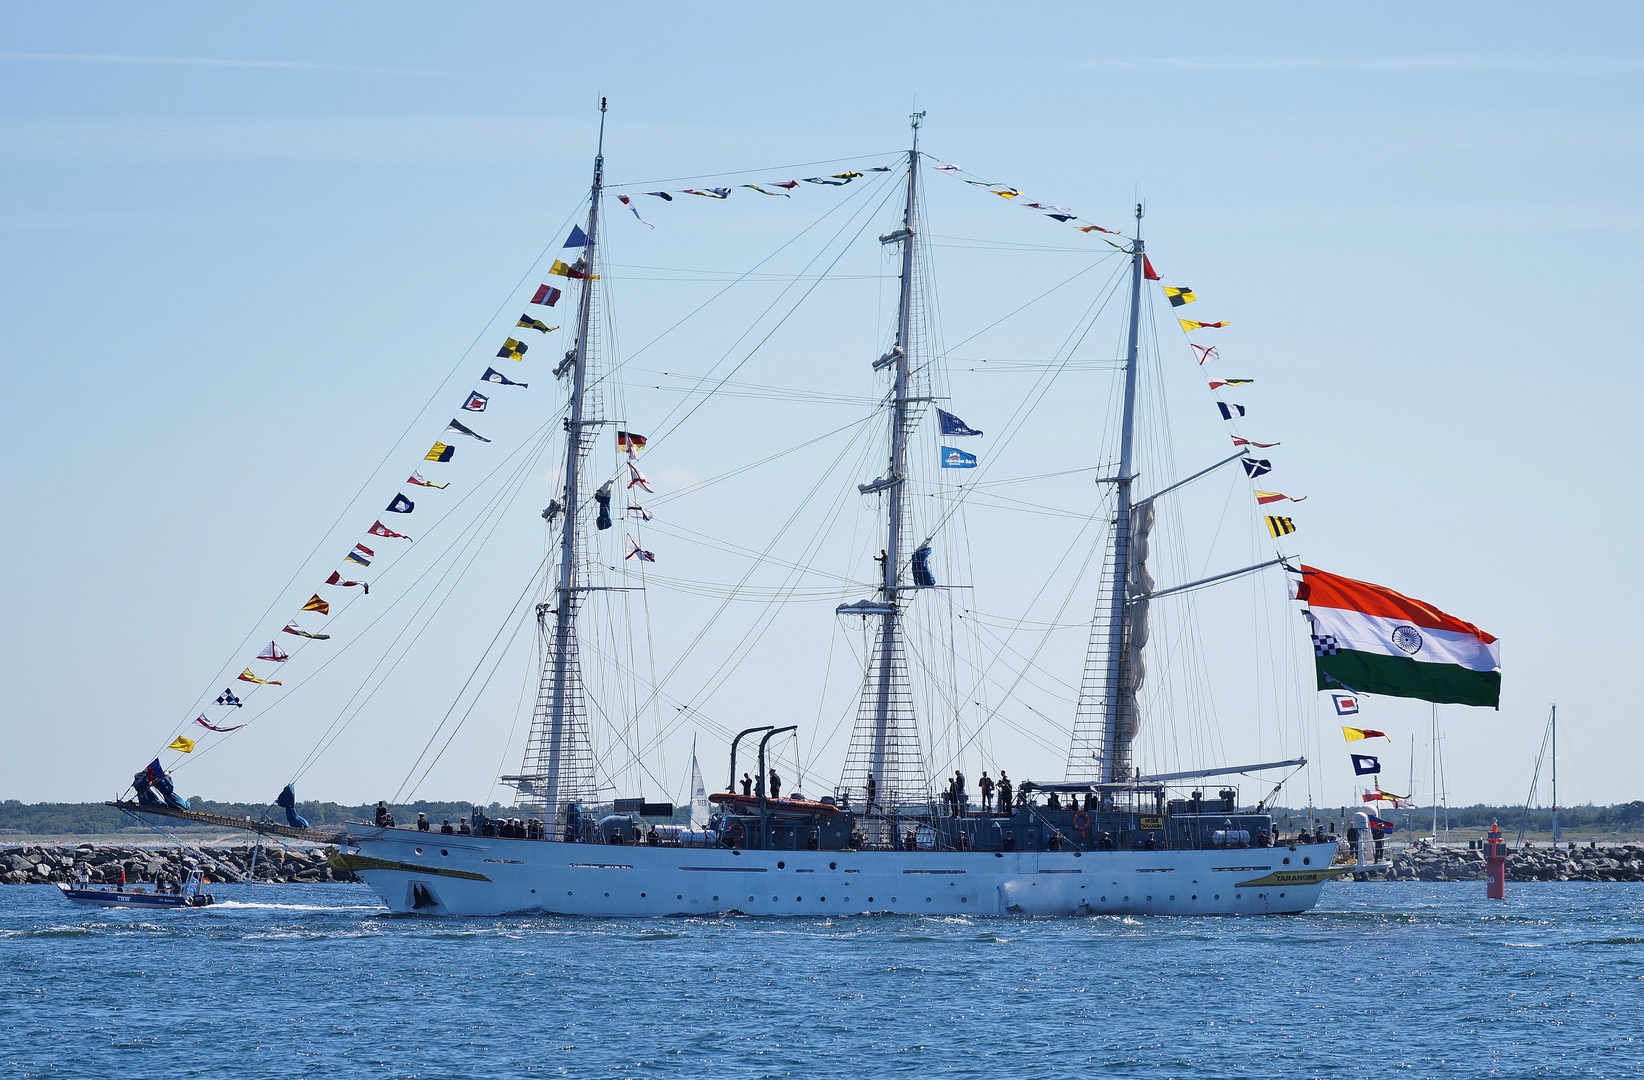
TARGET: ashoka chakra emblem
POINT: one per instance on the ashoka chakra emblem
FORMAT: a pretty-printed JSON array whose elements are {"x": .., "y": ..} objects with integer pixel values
[{"x": 1407, "y": 638}]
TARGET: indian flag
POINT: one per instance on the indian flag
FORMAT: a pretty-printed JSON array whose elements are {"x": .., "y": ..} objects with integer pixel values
[{"x": 1372, "y": 640}]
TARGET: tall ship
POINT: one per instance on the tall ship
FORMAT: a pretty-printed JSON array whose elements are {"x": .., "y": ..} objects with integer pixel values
[{"x": 1106, "y": 837}]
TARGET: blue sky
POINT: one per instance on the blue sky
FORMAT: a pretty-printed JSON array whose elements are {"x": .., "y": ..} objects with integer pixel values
[{"x": 244, "y": 250}]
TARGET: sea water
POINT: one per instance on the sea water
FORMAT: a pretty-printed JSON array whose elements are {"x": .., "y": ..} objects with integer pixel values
[{"x": 1381, "y": 980}]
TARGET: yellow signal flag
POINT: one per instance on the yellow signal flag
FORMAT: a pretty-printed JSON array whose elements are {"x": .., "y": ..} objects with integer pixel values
[
  {"x": 183, "y": 743},
  {"x": 1353, "y": 734},
  {"x": 1189, "y": 325},
  {"x": 1279, "y": 526},
  {"x": 1179, "y": 296},
  {"x": 249, "y": 676},
  {"x": 571, "y": 272},
  {"x": 317, "y": 604},
  {"x": 440, "y": 452}
]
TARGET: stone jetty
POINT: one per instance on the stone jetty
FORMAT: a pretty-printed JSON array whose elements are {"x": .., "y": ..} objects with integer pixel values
[
  {"x": 1564, "y": 863},
  {"x": 43, "y": 864}
]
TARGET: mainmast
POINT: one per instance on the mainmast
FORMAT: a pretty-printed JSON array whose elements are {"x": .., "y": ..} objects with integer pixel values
[
  {"x": 1107, "y": 715},
  {"x": 558, "y": 768},
  {"x": 885, "y": 743}
]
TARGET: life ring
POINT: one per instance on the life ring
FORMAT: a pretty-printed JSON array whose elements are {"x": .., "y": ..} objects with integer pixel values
[
  {"x": 1081, "y": 821},
  {"x": 736, "y": 833}
]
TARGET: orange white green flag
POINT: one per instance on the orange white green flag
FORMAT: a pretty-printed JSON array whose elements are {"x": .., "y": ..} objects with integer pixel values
[{"x": 1371, "y": 640}]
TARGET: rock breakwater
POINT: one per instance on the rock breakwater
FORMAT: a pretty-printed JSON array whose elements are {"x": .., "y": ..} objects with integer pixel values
[
  {"x": 43, "y": 864},
  {"x": 1621, "y": 863}
]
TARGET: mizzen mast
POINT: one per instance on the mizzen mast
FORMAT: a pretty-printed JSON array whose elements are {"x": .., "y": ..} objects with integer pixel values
[
  {"x": 1107, "y": 716},
  {"x": 559, "y": 766}
]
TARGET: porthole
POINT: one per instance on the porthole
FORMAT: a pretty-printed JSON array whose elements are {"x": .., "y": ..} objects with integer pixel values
[
  {"x": 567, "y": 892},
  {"x": 533, "y": 892},
  {"x": 798, "y": 899},
  {"x": 927, "y": 899},
  {"x": 681, "y": 896},
  {"x": 1104, "y": 899},
  {"x": 1287, "y": 860},
  {"x": 1127, "y": 899},
  {"x": 417, "y": 850},
  {"x": 998, "y": 854},
  {"x": 1281, "y": 896},
  {"x": 1218, "y": 896},
  {"x": 893, "y": 899},
  {"x": 642, "y": 896},
  {"x": 1307, "y": 860},
  {"x": 1238, "y": 896},
  {"x": 773, "y": 899},
  {"x": 833, "y": 866},
  {"x": 963, "y": 899},
  {"x": 1195, "y": 896},
  {"x": 1173, "y": 898},
  {"x": 822, "y": 899},
  {"x": 870, "y": 899},
  {"x": 781, "y": 865},
  {"x": 444, "y": 852},
  {"x": 717, "y": 898},
  {"x": 1150, "y": 898},
  {"x": 607, "y": 894}
]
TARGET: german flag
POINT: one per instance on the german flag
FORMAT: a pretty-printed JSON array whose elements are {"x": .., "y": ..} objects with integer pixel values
[
  {"x": 1279, "y": 526},
  {"x": 628, "y": 440},
  {"x": 1178, "y": 297},
  {"x": 513, "y": 349}
]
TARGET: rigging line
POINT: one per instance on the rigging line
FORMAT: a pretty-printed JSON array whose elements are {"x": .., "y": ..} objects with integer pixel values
[
  {"x": 740, "y": 172},
  {"x": 340, "y": 728},
  {"x": 500, "y": 502},
  {"x": 740, "y": 469},
  {"x": 729, "y": 665},
  {"x": 403, "y": 596},
  {"x": 683, "y": 319},
  {"x": 1019, "y": 417},
  {"x": 1012, "y": 314},
  {"x": 725, "y": 604},
  {"x": 370, "y": 477},
  {"x": 867, "y": 218},
  {"x": 530, "y": 586},
  {"x": 691, "y": 536}
]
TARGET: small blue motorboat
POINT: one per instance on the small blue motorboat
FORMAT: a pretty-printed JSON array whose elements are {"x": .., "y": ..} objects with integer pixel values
[{"x": 190, "y": 894}]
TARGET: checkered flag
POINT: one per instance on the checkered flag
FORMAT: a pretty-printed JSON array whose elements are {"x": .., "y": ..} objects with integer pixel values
[
  {"x": 228, "y": 697},
  {"x": 1325, "y": 645}
]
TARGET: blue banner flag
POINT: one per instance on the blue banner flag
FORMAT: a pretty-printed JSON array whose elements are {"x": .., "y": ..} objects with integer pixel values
[
  {"x": 1255, "y": 467},
  {"x": 952, "y": 425},
  {"x": 578, "y": 238},
  {"x": 1365, "y": 765},
  {"x": 957, "y": 459},
  {"x": 401, "y": 505}
]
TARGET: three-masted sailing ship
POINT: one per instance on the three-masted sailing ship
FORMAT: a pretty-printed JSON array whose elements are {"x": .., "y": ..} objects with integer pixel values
[{"x": 1106, "y": 838}]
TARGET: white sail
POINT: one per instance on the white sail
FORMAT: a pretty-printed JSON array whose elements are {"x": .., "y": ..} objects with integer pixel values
[{"x": 699, "y": 796}]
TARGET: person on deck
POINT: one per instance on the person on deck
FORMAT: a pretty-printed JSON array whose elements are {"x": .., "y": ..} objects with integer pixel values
[
  {"x": 1004, "y": 793},
  {"x": 873, "y": 795},
  {"x": 985, "y": 785},
  {"x": 959, "y": 792},
  {"x": 747, "y": 786},
  {"x": 776, "y": 785},
  {"x": 422, "y": 822},
  {"x": 385, "y": 820}
]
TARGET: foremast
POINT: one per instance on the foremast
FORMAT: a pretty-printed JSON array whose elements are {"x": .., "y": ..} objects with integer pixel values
[
  {"x": 1107, "y": 715},
  {"x": 558, "y": 769},
  {"x": 885, "y": 743}
]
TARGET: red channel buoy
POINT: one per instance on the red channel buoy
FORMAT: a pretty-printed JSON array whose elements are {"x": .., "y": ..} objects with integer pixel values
[{"x": 1495, "y": 865}]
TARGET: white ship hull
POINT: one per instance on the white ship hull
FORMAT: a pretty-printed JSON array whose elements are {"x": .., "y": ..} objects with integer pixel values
[{"x": 434, "y": 874}]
